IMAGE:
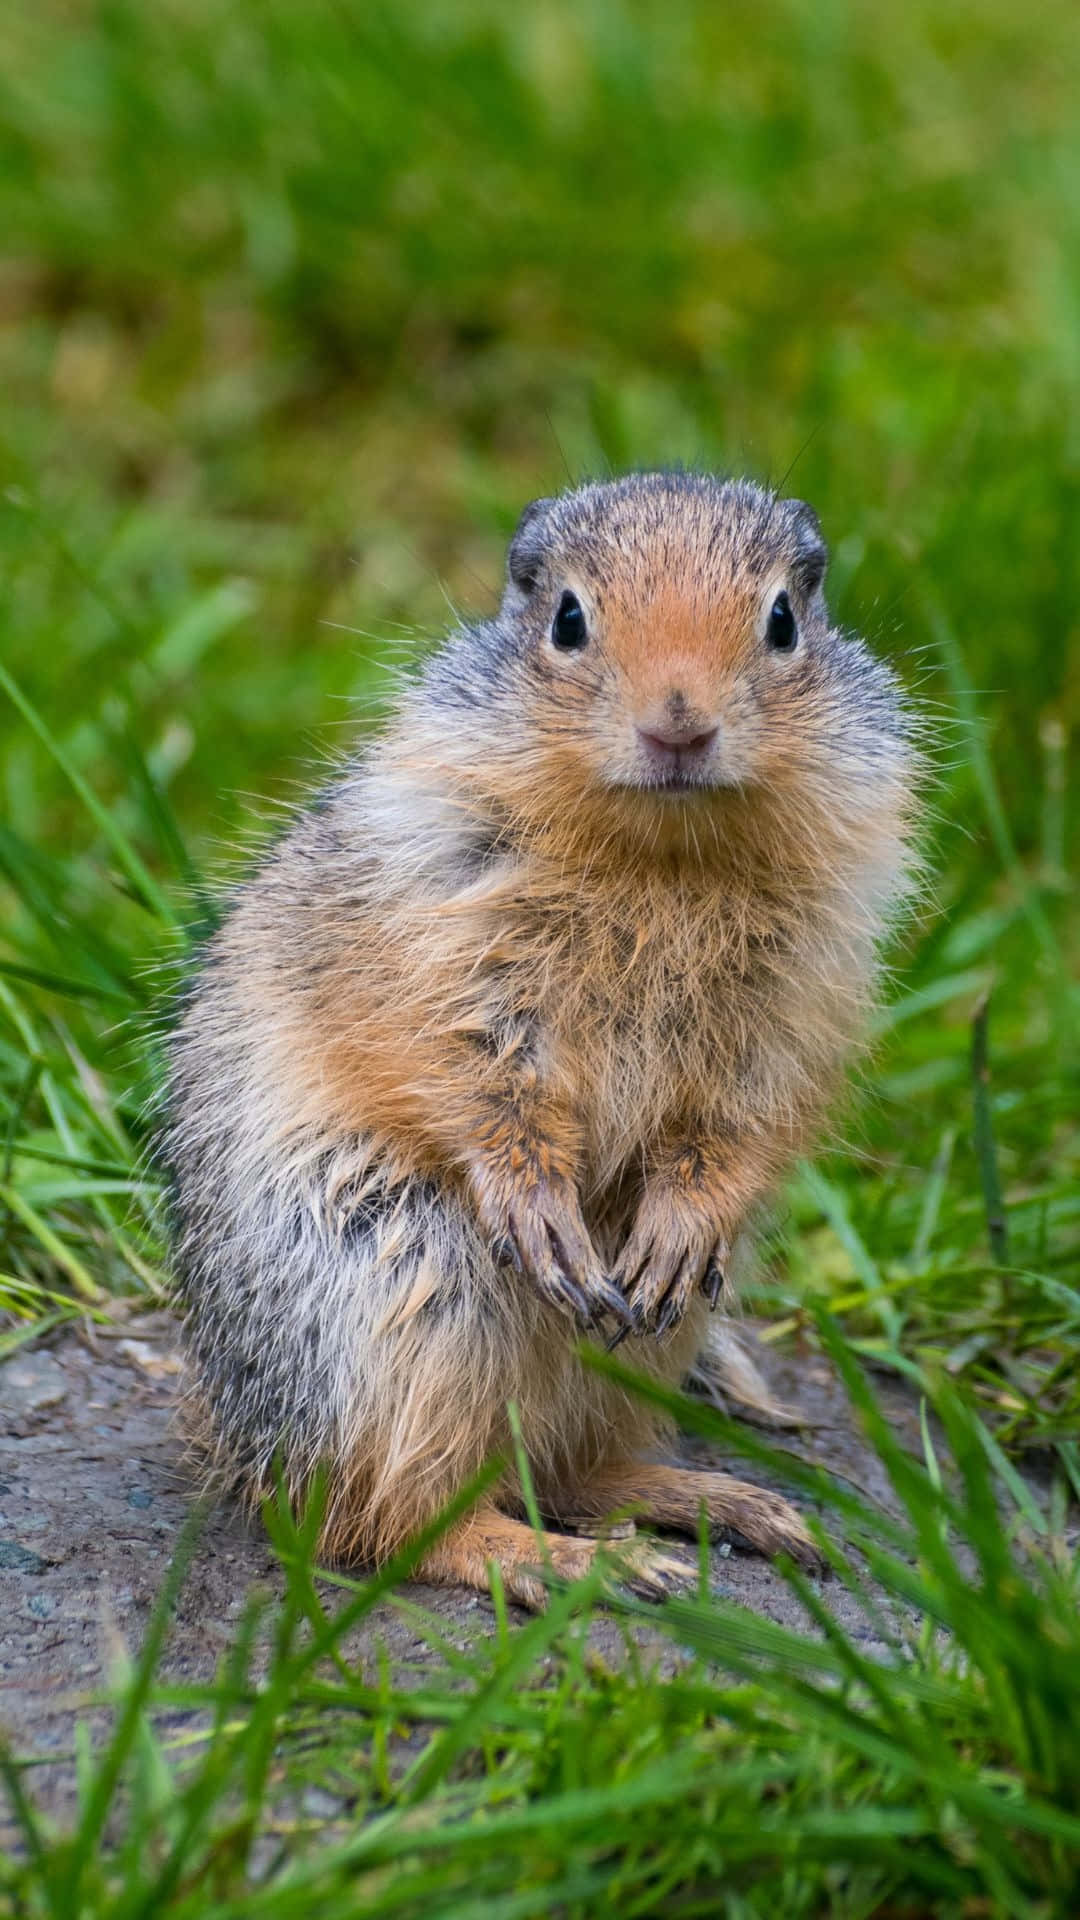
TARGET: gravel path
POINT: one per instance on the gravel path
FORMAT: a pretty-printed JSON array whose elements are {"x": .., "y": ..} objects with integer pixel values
[{"x": 93, "y": 1492}]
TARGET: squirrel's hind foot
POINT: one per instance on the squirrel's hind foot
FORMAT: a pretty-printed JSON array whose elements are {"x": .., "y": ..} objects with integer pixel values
[
  {"x": 673, "y": 1497},
  {"x": 528, "y": 1565}
]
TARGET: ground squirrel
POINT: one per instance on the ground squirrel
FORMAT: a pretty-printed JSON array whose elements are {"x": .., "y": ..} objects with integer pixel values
[{"x": 506, "y": 1037}]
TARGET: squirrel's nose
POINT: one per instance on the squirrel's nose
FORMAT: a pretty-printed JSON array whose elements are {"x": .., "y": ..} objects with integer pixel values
[
  {"x": 676, "y": 725},
  {"x": 669, "y": 738}
]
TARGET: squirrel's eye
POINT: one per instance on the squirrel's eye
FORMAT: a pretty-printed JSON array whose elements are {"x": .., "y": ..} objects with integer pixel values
[
  {"x": 780, "y": 629},
  {"x": 568, "y": 629}
]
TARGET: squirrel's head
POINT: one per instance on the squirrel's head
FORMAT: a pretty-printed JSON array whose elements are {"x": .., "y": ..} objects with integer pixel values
[{"x": 663, "y": 644}]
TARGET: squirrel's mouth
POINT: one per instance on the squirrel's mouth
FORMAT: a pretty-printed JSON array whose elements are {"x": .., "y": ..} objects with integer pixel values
[
  {"x": 677, "y": 779},
  {"x": 681, "y": 775},
  {"x": 677, "y": 770}
]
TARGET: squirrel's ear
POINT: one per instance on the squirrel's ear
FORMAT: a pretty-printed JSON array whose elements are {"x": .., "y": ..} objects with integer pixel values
[
  {"x": 811, "y": 553},
  {"x": 528, "y": 545}
]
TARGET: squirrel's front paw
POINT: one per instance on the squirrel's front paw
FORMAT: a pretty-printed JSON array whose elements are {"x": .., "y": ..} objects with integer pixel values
[
  {"x": 673, "y": 1249},
  {"x": 542, "y": 1235}
]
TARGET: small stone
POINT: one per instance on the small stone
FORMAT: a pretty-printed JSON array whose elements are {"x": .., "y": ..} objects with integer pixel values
[
  {"x": 41, "y": 1605},
  {"x": 159, "y": 1363},
  {"x": 31, "y": 1383},
  {"x": 321, "y": 1805},
  {"x": 16, "y": 1559},
  {"x": 138, "y": 1497}
]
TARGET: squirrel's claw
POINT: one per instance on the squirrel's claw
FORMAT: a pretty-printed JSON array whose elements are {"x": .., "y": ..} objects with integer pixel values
[
  {"x": 612, "y": 1301},
  {"x": 714, "y": 1279},
  {"x": 505, "y": 1253},
  {"x": 562, "y": 1270},
  {"x": 659, "y": 1281},
  {"x": 673, "y": 1306},
  {"x": 563, "y": 1291},
  {"x": 565, "y": 1265},
  {"x": 549, "y": 1243},
  {"x": 628, "y": 1271}
]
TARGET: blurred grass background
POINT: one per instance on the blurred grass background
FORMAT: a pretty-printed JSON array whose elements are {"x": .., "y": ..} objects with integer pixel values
[{"x": 301, "y": 302}]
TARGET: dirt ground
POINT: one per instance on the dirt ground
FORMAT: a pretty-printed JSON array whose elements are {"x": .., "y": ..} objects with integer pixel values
[{"x": 93, "y": 1492}]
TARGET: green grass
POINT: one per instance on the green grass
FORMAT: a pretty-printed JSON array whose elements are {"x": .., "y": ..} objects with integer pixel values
[
  {"x": 300, "y": 303},
  {"x": 524, "y": 1775}
]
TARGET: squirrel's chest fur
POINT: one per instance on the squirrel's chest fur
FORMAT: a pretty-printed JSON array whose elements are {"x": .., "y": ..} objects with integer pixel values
[
  {"x": 665, "y": 1006},
  {"x": 657, "y": 1004}
]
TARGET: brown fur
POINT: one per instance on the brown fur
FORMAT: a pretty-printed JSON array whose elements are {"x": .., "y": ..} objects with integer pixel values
[
  {"x": 503, "y": 1034},
  {"x": 465, "y": 1558}
]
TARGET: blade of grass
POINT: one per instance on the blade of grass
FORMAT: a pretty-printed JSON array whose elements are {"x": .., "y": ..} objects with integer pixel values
[
  {"x": 75, "y": 1857},
  {"x": 56, "y": 983},
  {"x": 985, "y": 1146},
  {"x": 142, "y": 882},
  {"x": 51, "y": 1243}
]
